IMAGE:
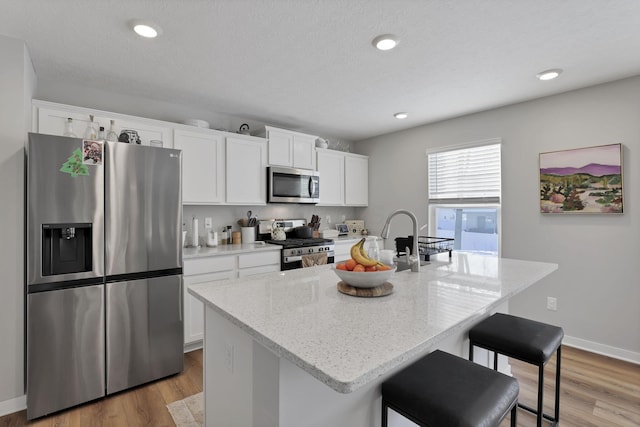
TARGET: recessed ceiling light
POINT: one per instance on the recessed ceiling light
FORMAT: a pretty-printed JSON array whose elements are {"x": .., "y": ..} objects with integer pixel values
[
  {"x": 385, "y": 42},
  {"x": 146, "y": 29},
  {"x": 400, "y": 116},
  {"x": 549, "y": 74}
]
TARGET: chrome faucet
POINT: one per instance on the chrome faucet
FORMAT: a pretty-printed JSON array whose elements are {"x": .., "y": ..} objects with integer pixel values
[{"x": 414, "y": 261}]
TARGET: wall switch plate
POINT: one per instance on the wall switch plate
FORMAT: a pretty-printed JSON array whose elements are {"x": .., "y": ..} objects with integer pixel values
[
  {"x": 552, "y": 303},
  {"x": 207, "y": 222}
]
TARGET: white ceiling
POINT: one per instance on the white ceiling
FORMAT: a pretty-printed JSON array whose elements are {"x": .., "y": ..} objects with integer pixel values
[{"x": 309, "y": 64}]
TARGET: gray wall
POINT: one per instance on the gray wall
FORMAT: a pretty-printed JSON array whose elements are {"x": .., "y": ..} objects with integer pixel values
[
  {"x": 597, "y": 284},
  {"x": 17, "y": 81}
]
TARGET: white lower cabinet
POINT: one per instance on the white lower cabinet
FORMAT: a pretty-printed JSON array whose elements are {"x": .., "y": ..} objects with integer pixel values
[
  {"x": 221, "y": 267},
  {"x": 194, "y": 309},
  {"x": 342, "y": 250}
]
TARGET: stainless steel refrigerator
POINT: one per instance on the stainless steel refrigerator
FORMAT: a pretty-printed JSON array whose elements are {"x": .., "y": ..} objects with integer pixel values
[{"x": 104, "y": 307}]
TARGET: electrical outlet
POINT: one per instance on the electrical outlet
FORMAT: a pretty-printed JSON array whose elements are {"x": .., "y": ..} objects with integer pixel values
[
  {"x": 207, "y": 222},
  {"x": 344, "y": 218},
  {"x": 328, "y": 218},
  {"x": 552, "y": 303},
  {"x": 228, "y": 357}
]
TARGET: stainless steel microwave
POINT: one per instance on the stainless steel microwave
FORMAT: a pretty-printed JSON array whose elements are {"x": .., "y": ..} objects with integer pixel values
[{"x": 291, "y": 185}]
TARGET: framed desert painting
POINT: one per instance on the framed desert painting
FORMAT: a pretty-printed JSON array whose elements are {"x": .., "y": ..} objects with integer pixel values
[{"x": 582, "y": 180}]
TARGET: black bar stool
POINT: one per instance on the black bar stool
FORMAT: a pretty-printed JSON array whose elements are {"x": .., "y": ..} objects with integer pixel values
[
  {"x": 523, "y": 339},
  {"x": 445, "y": 390}
]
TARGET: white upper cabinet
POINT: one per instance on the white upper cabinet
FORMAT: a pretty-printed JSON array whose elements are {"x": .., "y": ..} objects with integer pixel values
[
  {"x": 356, "y": 180},
  {"x": 246, "y": 170},
  {"x": 203, "y": 166},
  {"x": 50, "y": 118},
  {"x": 331, "y": 168},
  {"x": 304, "y": 151},
  {"x": 344, "y": 178},
  {"x": 280, "y": 147},
  {"x": 292, "y": 149}
]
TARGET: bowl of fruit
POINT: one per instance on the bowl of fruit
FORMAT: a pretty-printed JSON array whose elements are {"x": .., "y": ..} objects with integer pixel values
[{"x": 361, "y": 271}]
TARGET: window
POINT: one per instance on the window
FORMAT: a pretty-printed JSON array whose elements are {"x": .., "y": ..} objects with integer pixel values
[{"x": 464, "y": 195}]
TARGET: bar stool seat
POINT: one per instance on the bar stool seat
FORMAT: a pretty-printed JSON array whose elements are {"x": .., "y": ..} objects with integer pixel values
[
  {"x": 444, "y": 390},
  {"x": 523, "y": 339}
]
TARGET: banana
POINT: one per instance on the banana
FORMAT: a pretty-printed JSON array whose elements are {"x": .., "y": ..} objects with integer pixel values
[{"x": 359, "y": 254}]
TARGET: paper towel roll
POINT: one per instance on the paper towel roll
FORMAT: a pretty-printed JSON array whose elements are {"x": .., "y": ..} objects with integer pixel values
[{"x": 194, "y": 232}]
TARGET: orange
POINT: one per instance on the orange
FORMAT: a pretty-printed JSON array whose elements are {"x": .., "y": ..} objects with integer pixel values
[
  {"x": 370, "y": 268},
  {"x": 350, "y": 263},
  {"x": 341, "y": 266},
  {"x": 382, "y": 267},
  {"x": 358, "y": 267}
]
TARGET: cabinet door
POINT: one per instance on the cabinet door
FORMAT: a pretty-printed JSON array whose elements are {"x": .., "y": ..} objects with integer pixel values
[
  {"x": 246, "y": 171},
  {"x": 259, "y": 259},
  {"x": 202, "y": 166},
  {"x": 280, "y": 148},
  {"x": 194, "y": 308},
  {"x": 51, "y": 121},
  {"x": 356, "y": 180},
  {"x": 146, "y": 131},
  {"x": 342, "y": 250},
  {"x": 331, "y": 168},
  {"x": 304, "y": 151}
]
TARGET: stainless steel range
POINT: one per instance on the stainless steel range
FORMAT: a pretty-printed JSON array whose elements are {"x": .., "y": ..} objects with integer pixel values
[{"x": 297, "y": 252}]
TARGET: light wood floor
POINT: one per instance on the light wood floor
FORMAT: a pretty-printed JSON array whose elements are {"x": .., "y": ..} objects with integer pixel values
[
  {"x": 596, "y": 391},
  {"x": 141, "y": 406}
]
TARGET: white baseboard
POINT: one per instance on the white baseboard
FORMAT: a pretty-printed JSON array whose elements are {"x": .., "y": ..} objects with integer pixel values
[
  {"x": 13, "y": 405},
  {"x": 193, "y": 346},
  {"x": 603, "y": 349}
]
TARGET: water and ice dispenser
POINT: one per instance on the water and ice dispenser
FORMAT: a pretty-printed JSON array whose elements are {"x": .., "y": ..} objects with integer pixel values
[{"x": 66, "y": 248}]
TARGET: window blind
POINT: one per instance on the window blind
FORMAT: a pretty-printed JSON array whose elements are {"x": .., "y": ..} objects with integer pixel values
[{"x": 466, "y": 175}]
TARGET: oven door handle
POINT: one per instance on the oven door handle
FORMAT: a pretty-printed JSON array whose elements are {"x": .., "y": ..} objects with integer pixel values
[{"x": 288, "y": 259}]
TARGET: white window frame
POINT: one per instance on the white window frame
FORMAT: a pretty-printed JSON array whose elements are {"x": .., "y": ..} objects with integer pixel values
[{"x": 465, "y": 203}]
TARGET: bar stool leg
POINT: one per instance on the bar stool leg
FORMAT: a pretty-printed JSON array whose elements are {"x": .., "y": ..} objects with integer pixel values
[
  {"x": 384, "y": 413},
  {"x": 514, "y": 415},
  {"x": 540, "y": 392},
  {"x": 557, "y": 410}
]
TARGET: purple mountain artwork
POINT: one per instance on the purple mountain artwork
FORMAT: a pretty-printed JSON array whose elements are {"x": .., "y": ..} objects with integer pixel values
[
  {"x": 585, "y": 180},
  {"x": 592, "y": 169}
]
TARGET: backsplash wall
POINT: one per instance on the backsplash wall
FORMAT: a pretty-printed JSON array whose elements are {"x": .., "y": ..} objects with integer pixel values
[{"x": 229, "y": 215}]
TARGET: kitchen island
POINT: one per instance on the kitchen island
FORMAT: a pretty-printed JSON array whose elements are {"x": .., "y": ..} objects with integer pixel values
[{"x": 287, "y": 349}]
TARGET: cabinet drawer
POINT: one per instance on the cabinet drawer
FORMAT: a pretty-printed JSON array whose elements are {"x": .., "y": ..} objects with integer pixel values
[
  {"x": 258, "y": 270},
  {"x": 208, "y": 265},
  {"x": 257, "y": 259}
]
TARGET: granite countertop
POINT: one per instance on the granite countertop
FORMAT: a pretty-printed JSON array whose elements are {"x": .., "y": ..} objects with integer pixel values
[
  {"x": 346, "y": 341},
  {"x": 204, "y": 251}
]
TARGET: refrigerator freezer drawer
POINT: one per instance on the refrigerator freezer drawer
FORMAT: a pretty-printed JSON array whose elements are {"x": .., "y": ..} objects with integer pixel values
[
  {"x": 65, "y": 348},
  {"x": 145, "y": 333}
]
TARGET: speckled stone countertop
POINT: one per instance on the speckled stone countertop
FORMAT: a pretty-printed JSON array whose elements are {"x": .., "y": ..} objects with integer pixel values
[
  {"x": 346, "y": 341},
  {"x": 205, "y": 251}
]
